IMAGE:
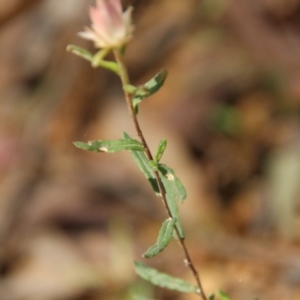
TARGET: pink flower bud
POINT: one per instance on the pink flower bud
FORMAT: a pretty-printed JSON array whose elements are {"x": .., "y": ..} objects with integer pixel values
[{"x": 110, "y": 28}]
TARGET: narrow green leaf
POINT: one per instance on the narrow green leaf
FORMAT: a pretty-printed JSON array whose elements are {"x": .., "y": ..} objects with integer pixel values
[
  {"x": 175, "y": 193},
  {"x": 164, "y": 280},
  {"x": 80, "y": 52},
  {"x": 143, "y": 163},
  {"x": 109, "y": 65},
  {"x": 95, "y": 59},
  {"x": 164, "y": 237},
  {"x": 149, "y": 88},
  {"x": 156, "y": 82},
  {"x": 172, "y": 183},
  {"x": 110, "y": 146},
  {"x": 223, "y": 296},
  {"x": 161, "y": 149},
  {"x": 98, "y": 57},
  {"x": 173, "y": 207},
  {"x": 98, "y": 61}
]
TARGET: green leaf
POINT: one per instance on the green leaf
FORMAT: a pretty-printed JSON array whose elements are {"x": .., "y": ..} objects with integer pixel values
[
  {"x": 154, "y": 165},
  {"x": 223, "y": 296},
  {"x": 149, "y": 88},
  {"x": 153, "y": 85},
  {"x": 98, "y": 61},
  {"x": 211, "y": 297},
  {"x": 172, "y": 183},
  {"x": 110, "y": 65},
  {"x": 173, "y": 207},
  {"x": 143, "y": 163},
  {"x": 98, "y": 57},
  {"x": 110, "y": 146},
  {"x": 160, "y": 149},
  {"x": 172, "y": 198},
  {"x": 164, "y": 237},
  {"x": 175, "y": 193},
  {"x": 80, "y": 52},
  {"x": 164, "y": 280}
]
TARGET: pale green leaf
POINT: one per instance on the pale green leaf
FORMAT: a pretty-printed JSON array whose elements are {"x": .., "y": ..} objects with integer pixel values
[
  {"x": 164, "y": 280},
  {"x": 81, "y": 52},
  {"x": 172, "y": 183},
  {"x": 149, "y": 88},
  {"x": 173, "y": 207},
  {"x": 95, "y": 59},
  {"x": 110, "y": 146},
  {"x": 109, "y": 65},
  {"x": 164, "y": 237},
  {"x": 161, "y": 149},
  {"x": 175, "y": 193},
  {"x": 98, "y": 57},
  {"x": 153, "y": 85},
  {"x": 143, "y": 163}
]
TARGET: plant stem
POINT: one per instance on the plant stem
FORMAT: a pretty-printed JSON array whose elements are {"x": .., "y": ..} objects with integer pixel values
[{"x": 125, "y": 81}]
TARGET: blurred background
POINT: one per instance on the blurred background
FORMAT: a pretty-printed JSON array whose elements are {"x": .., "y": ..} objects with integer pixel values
[{"x": 72, "y": 222}]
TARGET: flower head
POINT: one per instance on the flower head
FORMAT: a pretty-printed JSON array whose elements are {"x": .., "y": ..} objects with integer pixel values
[{"x": 110, "y": 28}]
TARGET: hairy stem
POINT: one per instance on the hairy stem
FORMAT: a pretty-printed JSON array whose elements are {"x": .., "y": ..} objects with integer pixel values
[{"x": 125, "y": 81}]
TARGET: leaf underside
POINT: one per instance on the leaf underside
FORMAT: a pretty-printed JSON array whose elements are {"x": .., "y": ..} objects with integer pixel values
[
  {"x": 142, "y": 162},
  {"x": 149, "y": 88},
  {"x": 164, "y": 280},
  {"x": 110, "y": 146},
  {"x": 164, "y": 237}
]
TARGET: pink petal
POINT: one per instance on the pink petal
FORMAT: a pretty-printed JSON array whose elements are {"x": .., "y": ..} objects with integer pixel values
[
  {"x": 114, "y": 10},
  {"x": 110, "y": 26},
  {"x": 88, "y": 34},
  {"x": 127, "y": 19},
  {"x": 97, "y": 17},
  {"x": 116, "y": 4}
]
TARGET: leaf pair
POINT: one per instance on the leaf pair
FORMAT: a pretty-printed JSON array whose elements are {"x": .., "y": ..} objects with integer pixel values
[
  {"x": 139, "y": 93},
  {"x": 97, "y": 59},
  {"x": 171, "y": 183}
]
